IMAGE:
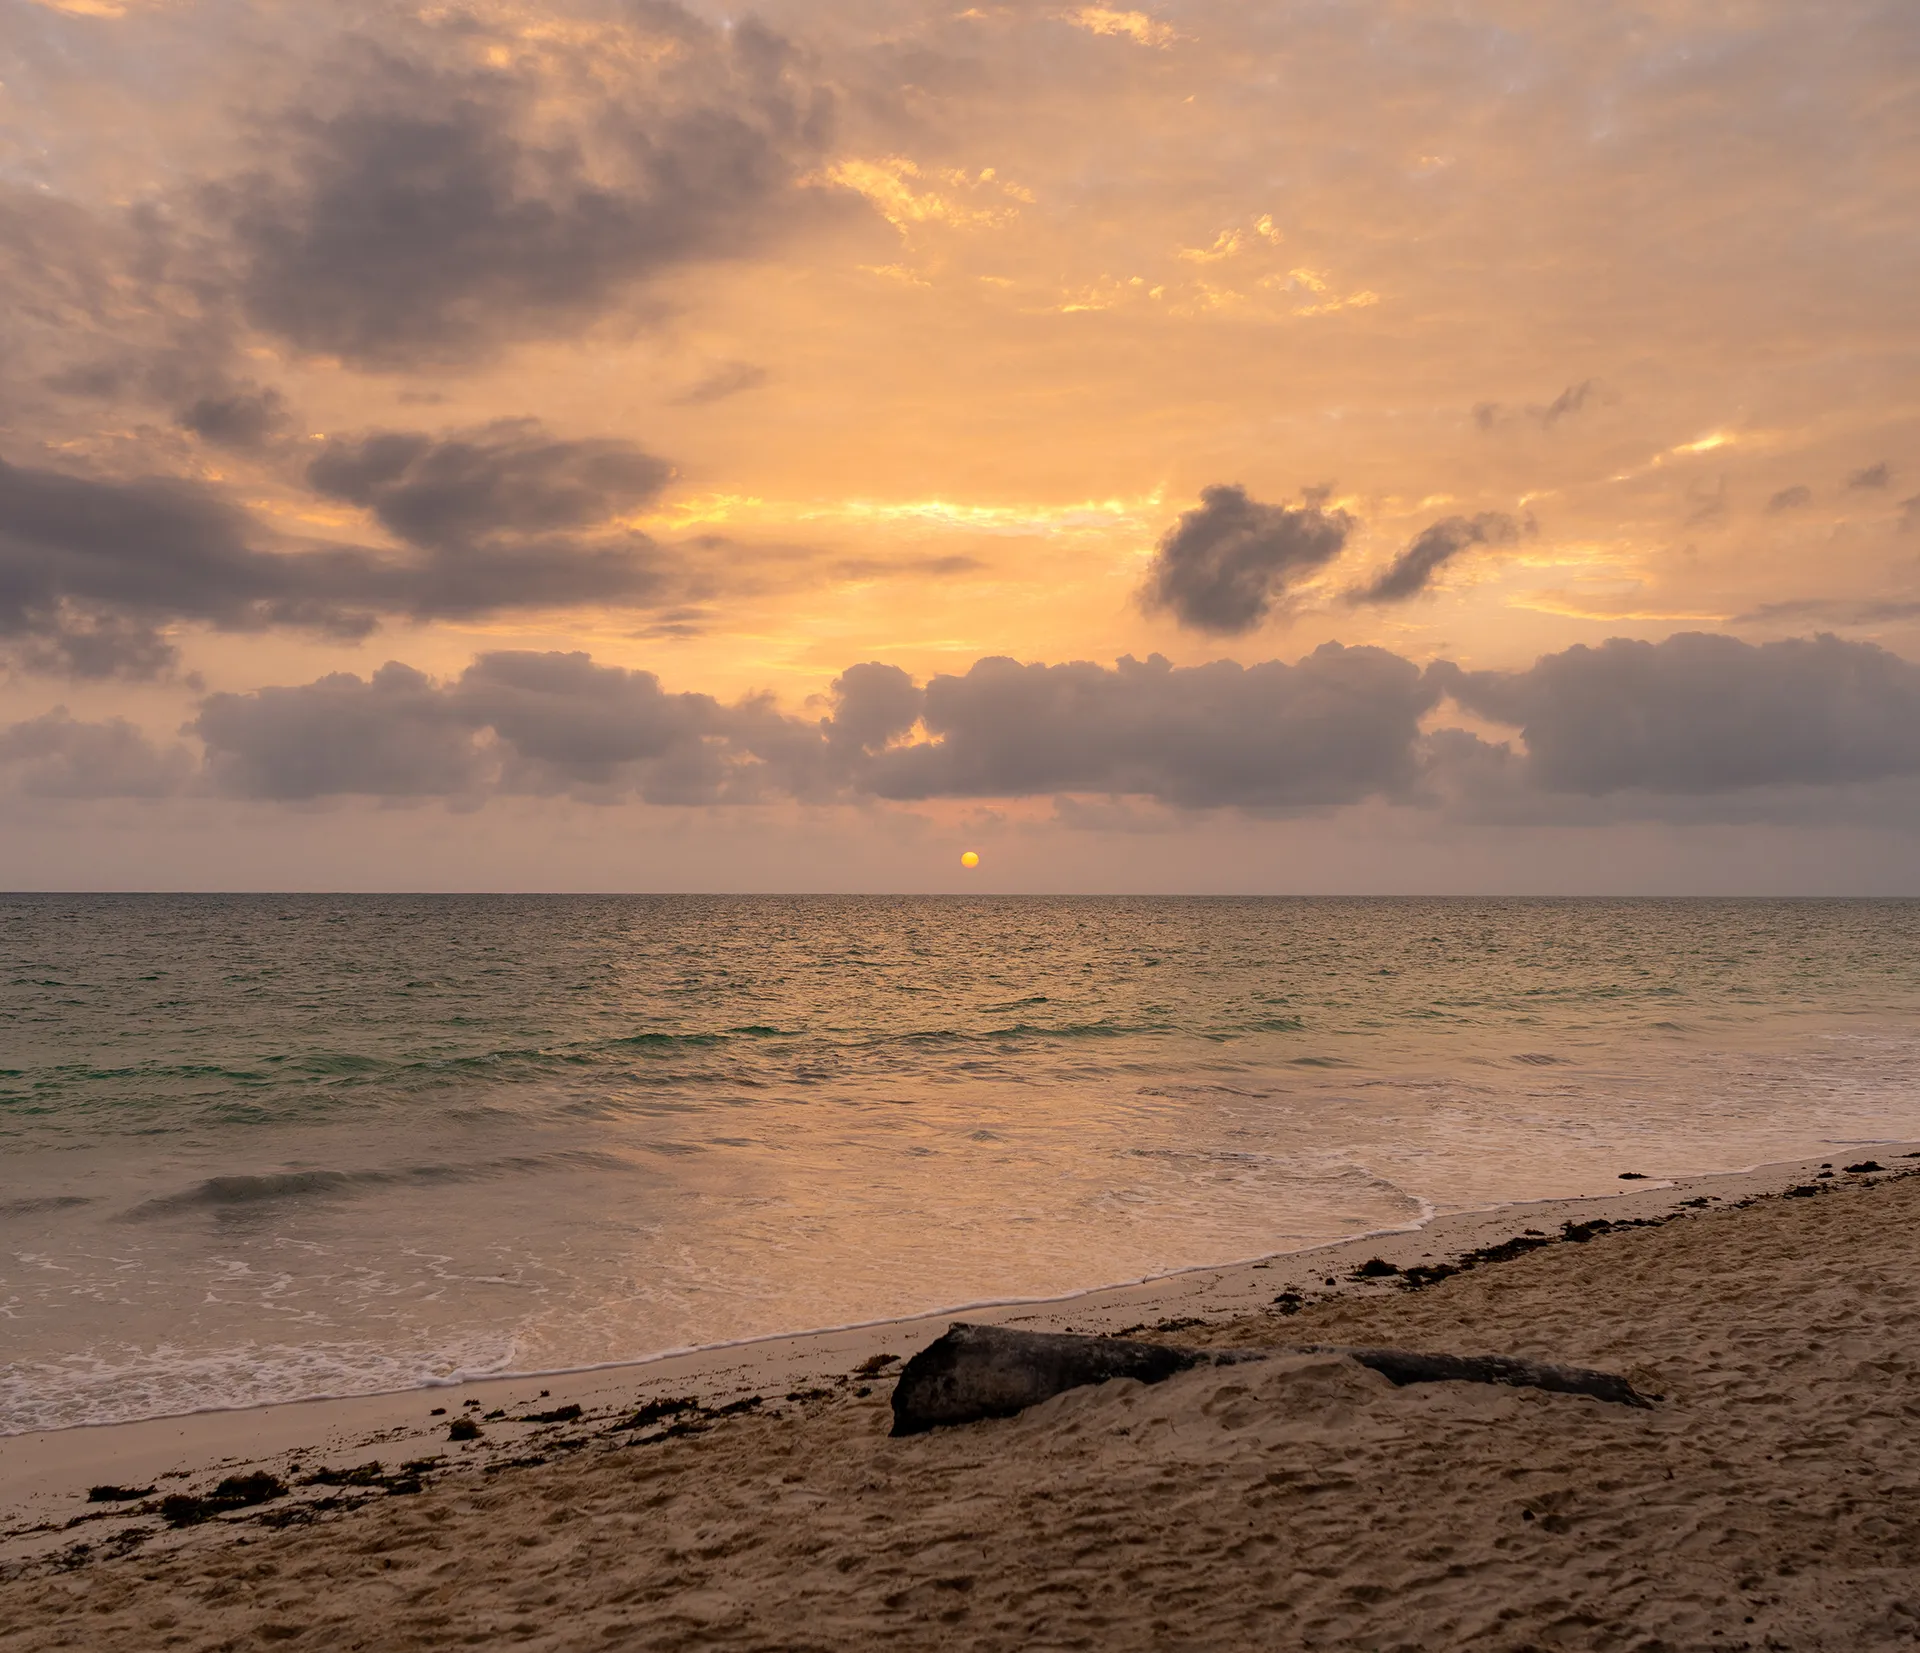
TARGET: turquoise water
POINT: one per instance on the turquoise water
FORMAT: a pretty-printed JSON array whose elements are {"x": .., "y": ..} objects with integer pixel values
[{"x": 258, "y": 1147}]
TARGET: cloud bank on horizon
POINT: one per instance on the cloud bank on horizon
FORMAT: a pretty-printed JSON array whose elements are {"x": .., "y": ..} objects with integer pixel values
[
  {"x": 1696, "y": 716},
  {"x": 629, "y": 367}
]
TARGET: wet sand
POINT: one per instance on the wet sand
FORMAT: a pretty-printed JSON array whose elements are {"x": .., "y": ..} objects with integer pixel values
[{"x": 1771, "y": 1499}]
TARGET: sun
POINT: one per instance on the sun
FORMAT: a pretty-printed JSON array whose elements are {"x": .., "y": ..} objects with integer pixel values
[{"x": 970, "y": 859}]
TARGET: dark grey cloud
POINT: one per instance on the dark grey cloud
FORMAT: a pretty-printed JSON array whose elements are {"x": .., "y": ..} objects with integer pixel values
[
  {"x": 92, "y": 569},
  {"x": 507, "y": 518},
  {"x": 59, "y": 756},
  {"x": 1796, "y": 498},
  {"x": 508, "y": 480},
  {"x": 514, "y": 721},
  {"x": 100, "y": 379},
  {"x": 240, "y": 416},
  {"x": 1413, "y": 570},
  {"x": 421, "y": 211},
  {"x": 1874, "y": 476},
  {"x": 1569, "y": 401},
  {"x": 1689, "y": 720},
  {"x": 77, "y": 642},
  {"x": 1339, "y": 726},
  {"x": 1700, "y": 713},
  {"x": 394, "y": 736},
  {"x": 873, "y": 706},
  {"x": 1226, "y": 565},
  {"x": 563, "y": 722},
  {"x": 1493, "y": 415}
]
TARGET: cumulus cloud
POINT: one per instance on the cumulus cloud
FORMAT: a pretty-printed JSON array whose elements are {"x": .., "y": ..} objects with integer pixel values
[
  {"x": 1701, "y": 713},
  {"x": 393, "y": 736},
  {"x": 514, "y": 721},
  {"x": 1796, "y": 498},
  {"x": 423, "y": 210},
  {"x": 1226, "y": 565},
  {"x": 1413, "y": 570},
  {"x": 1649, "y": 728},
  {"x": 1337, "y": 727},
  {"x": 873, "y": 706},
  {"x": 1874, "y": 476},
  {"x": 60, "y": 756}
]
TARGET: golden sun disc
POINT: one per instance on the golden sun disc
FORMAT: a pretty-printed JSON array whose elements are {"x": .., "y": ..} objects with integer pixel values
[{"x": 970, "y": 859}]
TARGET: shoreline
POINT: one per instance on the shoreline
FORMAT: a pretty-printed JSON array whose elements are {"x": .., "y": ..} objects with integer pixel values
[
  {"x": 45, "y": 1475},
  {"x": 992, "y": 1306}
]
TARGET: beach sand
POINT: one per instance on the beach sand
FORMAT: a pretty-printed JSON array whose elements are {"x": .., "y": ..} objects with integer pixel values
[{"x": 1771, "y": 1499}]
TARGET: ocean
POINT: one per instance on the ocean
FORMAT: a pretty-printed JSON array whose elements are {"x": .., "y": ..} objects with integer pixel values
[{"x": 255, "y": 1148}]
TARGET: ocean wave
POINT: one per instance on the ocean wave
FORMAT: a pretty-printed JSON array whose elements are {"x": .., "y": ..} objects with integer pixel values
[
  {"x": 48, "y": 1202},
  {"x": 666, "y": 1041},
  {"x": 244, "y": 1190}
]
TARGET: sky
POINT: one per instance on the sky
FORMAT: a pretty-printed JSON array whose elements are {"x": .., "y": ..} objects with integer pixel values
[{"x": 1233, "y": 446}]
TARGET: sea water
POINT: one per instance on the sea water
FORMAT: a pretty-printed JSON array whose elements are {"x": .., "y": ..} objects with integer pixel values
[{"x": 255, "y": 1148}]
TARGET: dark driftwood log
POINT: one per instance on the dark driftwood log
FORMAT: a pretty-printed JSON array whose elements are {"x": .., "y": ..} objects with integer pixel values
[
  {"x": 978, "y": 1372},
  {"x": 991, "y": 1372},
  {"x": 1403, "y": 1366}
]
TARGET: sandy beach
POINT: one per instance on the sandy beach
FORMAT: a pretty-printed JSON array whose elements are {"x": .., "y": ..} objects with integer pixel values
[{"x": 752, "y": 1498}]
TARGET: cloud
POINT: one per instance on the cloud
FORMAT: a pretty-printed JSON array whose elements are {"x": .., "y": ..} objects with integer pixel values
[
  {"x": 1833, "y": 611},
  {"x": 564, "y": 722},
  {"x": 1796, "y": 498},
  {"x": 90, "y": 569},
  {"x": 394, "y": 736},
  {"x": 1493, "y": 415},
  {"x": 1654, "y": 729},
  {"x": 873, "y": 705},
  {"x": 728, "y": 379},
  {"x": 514, "y": 721},
  {"x": 1700, "y": 713},
  {"x": 1225, "y": 566},
  {"x": 1569, "y": 401},
  {"x": 501, "y": 519},
  {"x": 58, "y": 756},
  {"x": 1340, "y": 726},
  {"x": 882, "y": 568},
  {"x": 241, "y": 416},
  {"x": 506, "y": 480},
  {"x": 1337, "y": 727},
  {"x": 422, "y": 210},
  {"x": 1413, "y": 570},
  {"x": 1874, "y": 476}
]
